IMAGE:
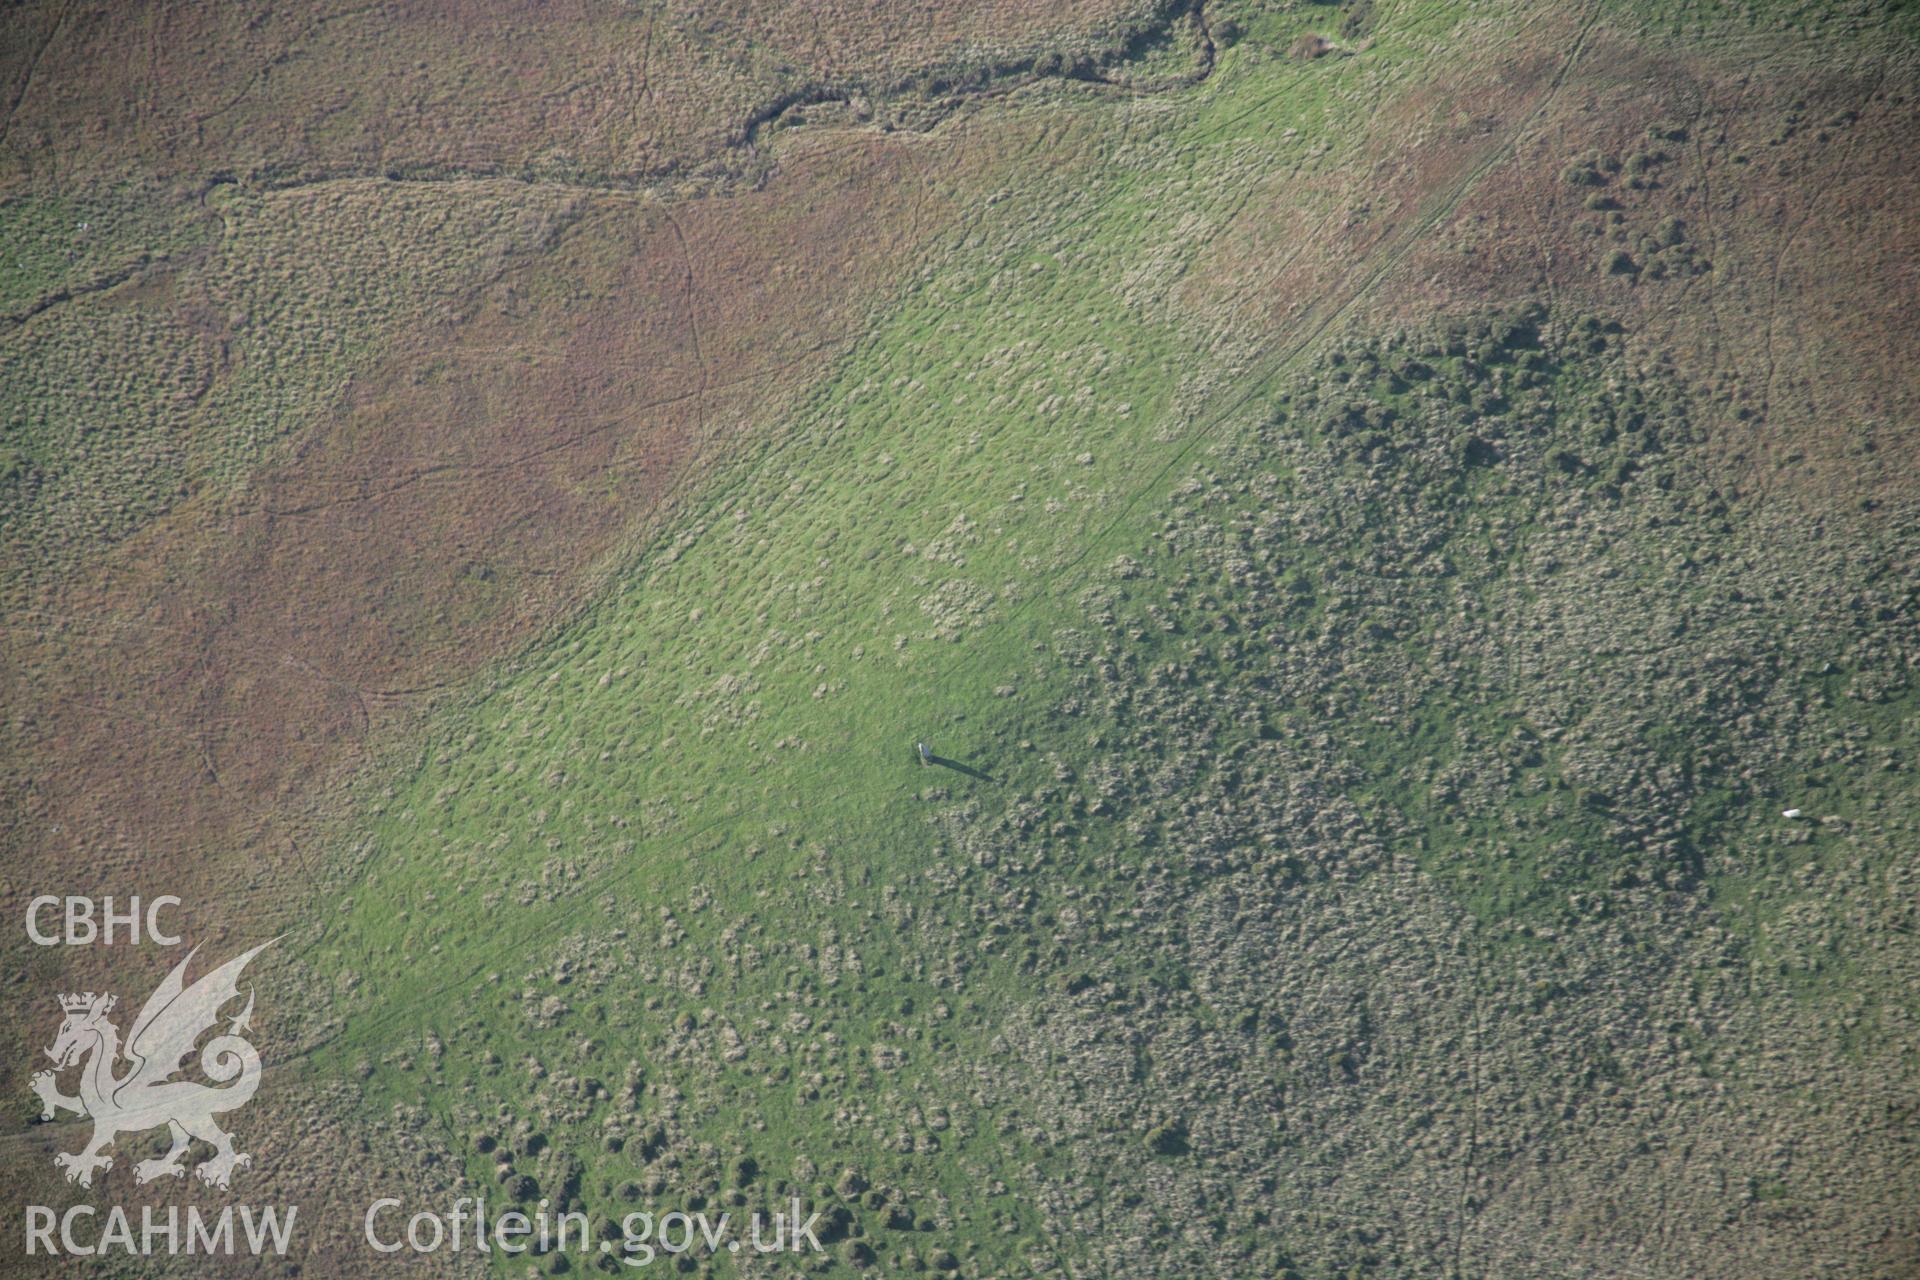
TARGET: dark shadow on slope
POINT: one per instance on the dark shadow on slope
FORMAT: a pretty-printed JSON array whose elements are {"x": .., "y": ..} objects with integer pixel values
[{"x": 958, "y": 767}]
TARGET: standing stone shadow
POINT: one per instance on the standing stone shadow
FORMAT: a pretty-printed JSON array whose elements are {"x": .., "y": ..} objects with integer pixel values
[{"x": 958, "y": 767}]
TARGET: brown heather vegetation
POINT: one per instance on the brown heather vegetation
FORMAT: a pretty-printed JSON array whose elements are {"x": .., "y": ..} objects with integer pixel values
[{"x": 1364, "y": 900}]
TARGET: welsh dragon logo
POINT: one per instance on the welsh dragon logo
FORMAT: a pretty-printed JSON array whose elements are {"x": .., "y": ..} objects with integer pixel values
[{"x": 145, "y": 1096}]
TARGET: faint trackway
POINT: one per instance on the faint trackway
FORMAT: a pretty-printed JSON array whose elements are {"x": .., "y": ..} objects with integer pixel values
[
  {"x": 33, "y": 69},
  {"x": 1318, "y": 319},
  {"x": 747, "y": 139},
  {"x": 1314, "y": 325},
  {"x": 1793, "y": 234},
  {"x": 691, "y": 298},
  {"x": 36, "y": 624},
  {"x": 286, "y": 51},
  {"x": 456, "y": 471},
  {"x": 646, "y": 60}
]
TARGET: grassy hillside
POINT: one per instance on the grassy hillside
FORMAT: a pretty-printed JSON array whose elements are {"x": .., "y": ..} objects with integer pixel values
[
  {"x": 1358, "y": 828},
  {"x": 1376, "y": 511}
]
